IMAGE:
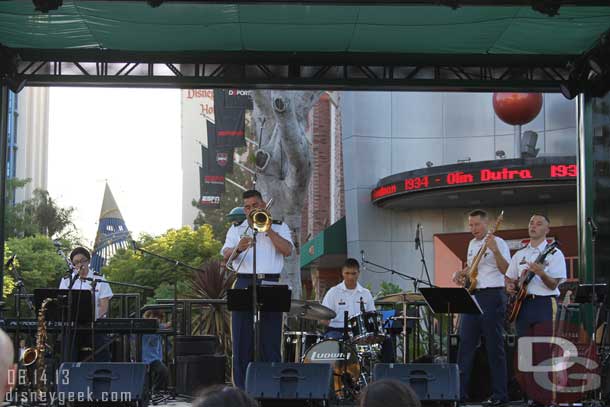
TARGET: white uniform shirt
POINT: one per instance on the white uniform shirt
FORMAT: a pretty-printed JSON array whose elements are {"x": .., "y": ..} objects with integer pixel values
[
  {"x": 102, "y": 290},
  {"x": 268, "y": 259},
  {"x": 554, "y": 266},
  {"x": 340, "y": 299},
  {"x": 489, "y": 273}
]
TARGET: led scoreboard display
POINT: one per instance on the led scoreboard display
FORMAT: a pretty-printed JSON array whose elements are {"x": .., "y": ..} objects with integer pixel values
[{"x": 476, "y": 174}]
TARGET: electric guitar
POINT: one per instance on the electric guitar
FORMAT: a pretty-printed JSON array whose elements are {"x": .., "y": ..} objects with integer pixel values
[{"x": 516, "y": 301}]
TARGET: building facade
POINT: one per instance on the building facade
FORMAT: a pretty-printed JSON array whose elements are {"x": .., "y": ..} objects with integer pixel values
[{"x": 387, "y": 133}]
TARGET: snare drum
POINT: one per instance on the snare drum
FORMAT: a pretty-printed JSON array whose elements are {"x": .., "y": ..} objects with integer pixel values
[
  {"x": 343, "y": 359},
  {"x": 366, "y": 328},
  {"x": 296, "y": 343}
]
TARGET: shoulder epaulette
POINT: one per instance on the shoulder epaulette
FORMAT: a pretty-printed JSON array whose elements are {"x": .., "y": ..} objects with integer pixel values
[{"x": 276, "y": 222}]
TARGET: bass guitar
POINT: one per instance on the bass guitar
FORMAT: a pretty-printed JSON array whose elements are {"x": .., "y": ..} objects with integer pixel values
[{"x": 516, "y": 301}]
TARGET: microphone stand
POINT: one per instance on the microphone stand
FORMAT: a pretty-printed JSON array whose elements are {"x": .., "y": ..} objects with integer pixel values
[
  {"x": 420, "y": 246},
  {"x": 415, "y": 281},
  {"x": 176, "y": 264},
  {"x": 398, "y": 273},
  {"x": 255, "y": 310}
]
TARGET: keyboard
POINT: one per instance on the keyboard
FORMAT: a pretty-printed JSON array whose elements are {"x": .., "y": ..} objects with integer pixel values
[{"x": 105, "y": 325}]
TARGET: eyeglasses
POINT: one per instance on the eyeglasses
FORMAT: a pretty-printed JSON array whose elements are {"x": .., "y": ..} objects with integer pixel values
[{"x": 80, "y": 262}]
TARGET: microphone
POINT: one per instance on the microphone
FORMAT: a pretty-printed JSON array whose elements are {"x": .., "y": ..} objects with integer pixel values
[
  {"x": 417, "y": 241},
  {"x": 10, "y": 261}
]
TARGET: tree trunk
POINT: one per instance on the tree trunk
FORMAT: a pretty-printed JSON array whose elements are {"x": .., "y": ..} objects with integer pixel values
[{"x": 283, "y": 163}]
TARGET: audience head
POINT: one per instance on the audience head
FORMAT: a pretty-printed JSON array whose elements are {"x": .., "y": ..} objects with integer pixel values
[
  {"x": 223, "y": 396},
  {"x": 7, "y": 364},
  {"x": 388, "y": 392}
]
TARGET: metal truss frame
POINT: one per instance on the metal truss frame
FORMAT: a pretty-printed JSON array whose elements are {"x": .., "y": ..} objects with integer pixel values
[{"x": 294, "y": 71}]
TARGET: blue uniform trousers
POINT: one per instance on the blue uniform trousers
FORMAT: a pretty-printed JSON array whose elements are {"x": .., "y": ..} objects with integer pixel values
[
  {"x": 536, "y": 318},
  {"x": 535, "y": 311},
  {"x": 243, "y": 341},
  {"x": 489, "y": 325}
]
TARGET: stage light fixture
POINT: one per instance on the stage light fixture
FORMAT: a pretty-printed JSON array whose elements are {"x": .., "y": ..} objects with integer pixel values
[
  {"x": 500, "y": 154},
  {"x": 44, "y": 6},
  {"x": 596, "y": 65},
  {"x": 429, "y": 164},
  {"x": 568, "y": 89}
]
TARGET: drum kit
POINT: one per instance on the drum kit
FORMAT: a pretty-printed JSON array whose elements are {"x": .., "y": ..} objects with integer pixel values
[{"x": 352, "y": 356}]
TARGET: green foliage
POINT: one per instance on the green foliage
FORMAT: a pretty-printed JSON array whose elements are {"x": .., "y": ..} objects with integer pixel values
[
  {"x": 192, "y": 247},
  {"x": 387, "y": 288},
  {"x": 9, "y": 282},
  {"x": 37, "y": 262}
]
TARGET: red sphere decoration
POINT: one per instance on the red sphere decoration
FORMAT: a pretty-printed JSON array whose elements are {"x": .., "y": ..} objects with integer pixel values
[{"x": 517, "y": 108}]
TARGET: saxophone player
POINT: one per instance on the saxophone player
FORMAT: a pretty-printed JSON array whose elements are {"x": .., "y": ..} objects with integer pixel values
[{"x": 491, "y": 296}]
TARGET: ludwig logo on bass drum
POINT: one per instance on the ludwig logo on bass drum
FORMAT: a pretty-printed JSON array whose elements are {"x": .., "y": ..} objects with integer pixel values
[{"x": 330, "y": 356}]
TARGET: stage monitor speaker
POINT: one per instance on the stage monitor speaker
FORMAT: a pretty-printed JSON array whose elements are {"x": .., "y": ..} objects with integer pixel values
[
  {"x": 103, "y": 384},
  {"x": 198, "y": 371},
  {"x": 430, "y": 381},
  {"x": 290, "y": 384}
]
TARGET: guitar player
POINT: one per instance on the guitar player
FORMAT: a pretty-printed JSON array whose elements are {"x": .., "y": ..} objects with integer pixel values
[
  {"x": 491, "y": 296},
  {"x": 538, "y": 309},
  {"x": 540, "y": 304}
]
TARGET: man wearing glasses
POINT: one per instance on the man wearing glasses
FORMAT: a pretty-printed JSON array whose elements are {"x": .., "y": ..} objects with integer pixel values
[{"x": 80, "y": 258}]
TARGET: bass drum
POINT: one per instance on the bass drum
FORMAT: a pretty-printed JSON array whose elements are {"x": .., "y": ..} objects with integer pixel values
[
  {"x": 344, "y": 361},
  {"x": 295, "y": 344}
]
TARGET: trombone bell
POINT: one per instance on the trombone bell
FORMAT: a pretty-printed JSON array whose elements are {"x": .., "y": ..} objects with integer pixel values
[{"x": 261, "y": 220}]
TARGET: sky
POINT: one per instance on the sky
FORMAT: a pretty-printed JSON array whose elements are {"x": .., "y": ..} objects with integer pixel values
[{"x": 129, "y": 138}]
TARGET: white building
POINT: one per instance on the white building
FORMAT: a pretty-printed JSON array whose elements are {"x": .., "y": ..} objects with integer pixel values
[{"x": 29, "y": 147}]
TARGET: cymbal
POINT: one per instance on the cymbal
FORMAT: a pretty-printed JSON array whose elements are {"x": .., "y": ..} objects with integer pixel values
[
  {"x": 400, "y": 298},
  {"x": 310, "y": 310}
]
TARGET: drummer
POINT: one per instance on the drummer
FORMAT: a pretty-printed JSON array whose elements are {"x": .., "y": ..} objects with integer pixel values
[{"x": 348, "y": 296}]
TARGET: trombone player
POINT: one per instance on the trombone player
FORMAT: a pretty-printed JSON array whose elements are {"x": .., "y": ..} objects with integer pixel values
[{"x": 271, "y": 248}]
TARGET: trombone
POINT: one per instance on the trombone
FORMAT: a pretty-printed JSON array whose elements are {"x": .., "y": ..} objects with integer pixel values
[{"x": 260, "y": 221}]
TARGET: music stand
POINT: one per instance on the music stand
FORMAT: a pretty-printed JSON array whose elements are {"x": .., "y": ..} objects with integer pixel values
[
  {"x": 271, "y": 298},
  {"x": 450, "y": 300},
  {"x": 584, "y": 293},
  {"x": 81, "y": 306}
]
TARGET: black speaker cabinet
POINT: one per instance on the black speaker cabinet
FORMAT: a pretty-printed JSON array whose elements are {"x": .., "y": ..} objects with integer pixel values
[
  {"x": 198, "y": 371},
  {"x": 290, "y": 384},
  {"x": 196, "y": 345},
  {"x": 103, "y": 384},
  {"x": 430, "y": 381}
]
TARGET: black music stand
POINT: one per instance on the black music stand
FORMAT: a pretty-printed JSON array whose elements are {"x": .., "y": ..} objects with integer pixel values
[
  {"x": 269, "y": 298},
  {"x": 450, "y": 300},
  {"x": 81, "y": 306}
]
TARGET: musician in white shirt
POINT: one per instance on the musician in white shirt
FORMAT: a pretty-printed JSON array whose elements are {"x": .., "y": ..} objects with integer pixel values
[
  {"x": 540, "y": 304},
  {"x": 491, "y": 296}
]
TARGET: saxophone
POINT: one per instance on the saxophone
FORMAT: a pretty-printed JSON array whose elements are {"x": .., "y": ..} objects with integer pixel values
[{"x": 37, "y": 354}]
